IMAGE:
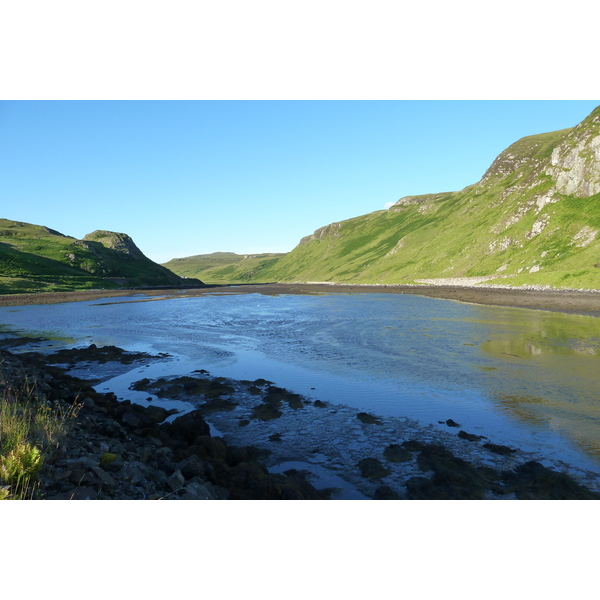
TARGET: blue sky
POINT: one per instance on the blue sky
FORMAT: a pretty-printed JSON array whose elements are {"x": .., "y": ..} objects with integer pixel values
[
  {"x": 193, "y": 177},
  {"x": 188, "y": 178}
]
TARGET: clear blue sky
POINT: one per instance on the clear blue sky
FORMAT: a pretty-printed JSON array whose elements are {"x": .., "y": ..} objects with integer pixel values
[{"x": 193, "y": 177}]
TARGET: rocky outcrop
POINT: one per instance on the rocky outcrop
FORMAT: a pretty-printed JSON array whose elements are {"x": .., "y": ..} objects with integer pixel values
[
  {"x": 575, "y": 163},
  {"x": 323, "y": 232},
  {"x": 412, "y": 200},
  {"x": 571, "y": 157},
  {"x": 120, "y": 242}
]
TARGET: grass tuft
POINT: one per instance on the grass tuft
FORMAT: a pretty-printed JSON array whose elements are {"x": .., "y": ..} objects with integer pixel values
[{"x": 31, "y": 431}]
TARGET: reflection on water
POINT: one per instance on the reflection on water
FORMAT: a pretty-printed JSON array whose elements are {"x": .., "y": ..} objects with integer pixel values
[
  {"x": 549, "y": 371},
  {"x": 520, "y": 376},
  {"x": 534, "y": 333}
]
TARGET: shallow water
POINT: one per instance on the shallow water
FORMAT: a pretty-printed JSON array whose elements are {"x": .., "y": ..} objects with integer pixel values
[{"x": 521, "y": 377}]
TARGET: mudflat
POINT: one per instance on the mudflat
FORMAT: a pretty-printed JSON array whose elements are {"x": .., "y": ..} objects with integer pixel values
[{"x": 571, "y": 301}]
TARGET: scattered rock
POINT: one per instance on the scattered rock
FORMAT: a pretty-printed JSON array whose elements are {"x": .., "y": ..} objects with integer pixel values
[
  {"x": 499, "y": 449},
  {"x": 413, "y": 445},
  {"x": 533, "y": 481},
  {"x": 266, "y": 412},
  {"x": 111, "y": 462},
  {"x": 385, "y": 492},
  {"x": 176, "y": 481},
  {"x": 397, "y": 453},
  {"x": 367, "y": 418},
  {"x": 188, "y": 427},
  {"x": 192, "y": 467},
  {"x": 120, "y": 450},
  {"x": 131, "y": 419},
  {"x": 452, "y": 478},
  {"x": 372, "y": 468},
  {"x": 199, "y": 491},
  {"x": 471, "y": 437},
  {"x": 217, "y": 405},
  {"x": 156, "y": 414},
  {"x": 452, "y": 423},
  {"x": 106, "y": 479}
]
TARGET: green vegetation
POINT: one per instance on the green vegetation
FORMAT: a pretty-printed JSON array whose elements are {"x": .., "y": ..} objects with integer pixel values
[
  {"x": 533, "y": 219},
  {"x": 514, "y": 226},
  {"x": 34, "y": 258},
  {"x": 224, "y": 267},
  {"x": 31, "y": 431}
]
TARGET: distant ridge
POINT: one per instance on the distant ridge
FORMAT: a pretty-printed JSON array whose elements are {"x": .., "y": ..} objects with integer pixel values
[{"x": 224, "y": 267}]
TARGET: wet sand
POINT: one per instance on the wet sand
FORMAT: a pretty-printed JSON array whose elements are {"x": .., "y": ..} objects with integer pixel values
[{"x": 580, "y": 302}]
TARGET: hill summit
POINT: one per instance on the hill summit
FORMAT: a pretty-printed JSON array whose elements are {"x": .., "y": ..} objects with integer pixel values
[{"x": 36, "y": 258}]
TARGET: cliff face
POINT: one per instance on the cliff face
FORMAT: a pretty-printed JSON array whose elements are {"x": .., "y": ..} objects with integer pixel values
[
  {"x": 575, "y": 163},
  {"x": 533, "y": 218}
]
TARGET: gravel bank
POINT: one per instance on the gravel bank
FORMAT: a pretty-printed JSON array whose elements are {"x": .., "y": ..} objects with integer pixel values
[{"x": 586, "y": 302}]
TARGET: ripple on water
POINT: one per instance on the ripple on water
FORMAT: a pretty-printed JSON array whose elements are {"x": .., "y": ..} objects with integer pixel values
[{"x": 526, "y": 378}]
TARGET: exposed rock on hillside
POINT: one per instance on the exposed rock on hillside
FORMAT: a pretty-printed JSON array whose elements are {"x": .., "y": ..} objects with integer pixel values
[
  {"x": 533, "y": 216},
  {"x": 575, "y": 163},
  {"x": 120, "y": 242},
  {"x": 328, "y": 230},
  {"x": 35, "y": 258}
]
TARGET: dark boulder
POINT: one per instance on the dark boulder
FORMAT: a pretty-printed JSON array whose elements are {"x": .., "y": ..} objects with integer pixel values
[
  {"x": 452, "y": 479},
  {"x": 368, "y": 419},
  {"x": 413, "y": 445},
  {"x": 533, "y": 481},
  {"x": 385, "y": 492},
  {"x": 156, "y": 414},
  {"x": 396, "y": 453},
  {"x": 471, "y": 437},
  {"x": 188, "y": 427},
  {"x": 372, "y": 468},
  {"x": 499, "y": 449}
]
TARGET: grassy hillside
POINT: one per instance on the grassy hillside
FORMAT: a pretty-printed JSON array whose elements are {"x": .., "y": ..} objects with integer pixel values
[
  {"x": 35, "y": 258},
  {"x": 516, "y": 225},
  {"x": 224, "y": 267}
]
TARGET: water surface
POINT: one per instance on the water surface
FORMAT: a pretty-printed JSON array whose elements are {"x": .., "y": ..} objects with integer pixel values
[{"x": 522, "y": 377}]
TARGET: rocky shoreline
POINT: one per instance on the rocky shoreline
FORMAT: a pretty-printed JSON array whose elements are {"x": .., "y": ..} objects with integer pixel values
[{"x": 118, "y": 449}]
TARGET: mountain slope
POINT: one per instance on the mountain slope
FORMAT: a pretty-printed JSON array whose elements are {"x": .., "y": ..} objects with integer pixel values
[
  {"x": 224, "y": 267},
  {"x": 533, "y": 218},
  {"x": 36, "y": 258}
]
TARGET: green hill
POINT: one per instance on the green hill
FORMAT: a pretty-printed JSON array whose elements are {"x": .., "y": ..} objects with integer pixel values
[
  {"x": 533, "y": 219},
  {"x": 35, "y": 258},
  {"x": 224, "y": 267}
]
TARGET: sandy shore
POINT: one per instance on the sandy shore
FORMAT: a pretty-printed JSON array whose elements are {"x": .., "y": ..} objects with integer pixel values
[{"x": 580, "y": 302}]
